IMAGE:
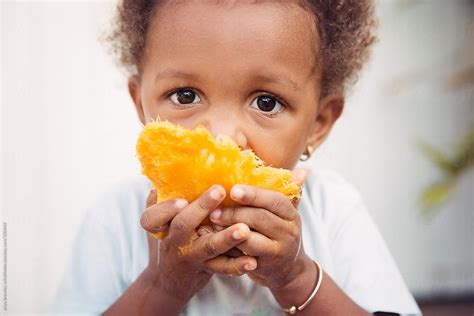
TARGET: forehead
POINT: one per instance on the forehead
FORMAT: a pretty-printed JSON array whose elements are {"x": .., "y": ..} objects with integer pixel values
[{"x": 231, "y": 34}]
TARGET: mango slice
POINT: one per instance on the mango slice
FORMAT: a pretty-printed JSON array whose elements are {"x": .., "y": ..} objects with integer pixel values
[{"x": 184, "y": 163}]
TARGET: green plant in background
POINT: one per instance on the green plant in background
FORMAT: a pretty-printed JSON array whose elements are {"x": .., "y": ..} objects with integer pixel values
[
  {"x": 457, "y": 162},
  {"x": 452, "y": 166}
]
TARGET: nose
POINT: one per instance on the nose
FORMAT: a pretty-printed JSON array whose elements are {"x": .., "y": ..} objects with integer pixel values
[{"x": 229, "y": 126}]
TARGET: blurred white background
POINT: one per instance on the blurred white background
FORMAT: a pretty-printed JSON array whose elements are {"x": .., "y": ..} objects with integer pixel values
[{"x": 68, "y": 130}]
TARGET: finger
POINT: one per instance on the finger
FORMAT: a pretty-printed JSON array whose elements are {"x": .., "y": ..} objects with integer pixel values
[
  {"x": 299, "y": 177},
  {"x": 295, "y": 201},
  {"x": 188, "y": 219},
  {"x": 273, "y": 201},
  {"x": 151, "y": 199},
  {"x": 204, "y": 230},
  {"x": 258, "y": 245},
  {"x": 156, "y": 218},
  {"x": 217, "y": 228},
  {"x": 231, "y": 266},
  {"x": 257, "y": 218},
  {"x": 215, "y": 244}
]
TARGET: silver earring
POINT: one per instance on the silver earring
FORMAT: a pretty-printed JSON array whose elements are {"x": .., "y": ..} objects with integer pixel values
[{"x": 307, "y": 153}]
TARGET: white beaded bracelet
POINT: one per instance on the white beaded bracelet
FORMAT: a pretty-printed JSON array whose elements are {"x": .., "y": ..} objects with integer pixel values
[{"x": 293, "y": 309}]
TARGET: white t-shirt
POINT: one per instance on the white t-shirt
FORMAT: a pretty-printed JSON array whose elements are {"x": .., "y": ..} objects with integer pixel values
[{"x": 111, "y": 251}]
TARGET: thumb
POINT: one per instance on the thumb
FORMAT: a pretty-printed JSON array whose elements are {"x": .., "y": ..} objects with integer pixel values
[
  {"x": 152, "y": 241},
  {"x": 299, "y": 176},
  {"x": 152, "y": 198}
]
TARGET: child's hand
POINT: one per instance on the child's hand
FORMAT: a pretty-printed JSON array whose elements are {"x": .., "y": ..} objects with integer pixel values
[
  {"x": 185, "y": 261},
  {"x": 275, "y": 239}
]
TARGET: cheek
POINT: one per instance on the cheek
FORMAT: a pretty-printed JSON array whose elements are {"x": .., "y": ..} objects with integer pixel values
[
  {"x": 280, "y": 150},
  {"x": 152, "y": 111}
]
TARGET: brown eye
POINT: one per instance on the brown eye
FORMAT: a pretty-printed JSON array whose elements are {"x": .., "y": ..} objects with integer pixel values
[
  {"x": 185, "y": 96},
  {"x": 267, "y": 104}
]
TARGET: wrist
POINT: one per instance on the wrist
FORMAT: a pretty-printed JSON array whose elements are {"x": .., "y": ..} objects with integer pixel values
[
  {"x": 143, "y": 297},
  {"x": 297, "y": 290},
  {"x": 160, "y": 293}
]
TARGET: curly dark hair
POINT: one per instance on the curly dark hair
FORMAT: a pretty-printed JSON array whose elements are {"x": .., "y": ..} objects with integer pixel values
[{"x": 345, "y": 30}]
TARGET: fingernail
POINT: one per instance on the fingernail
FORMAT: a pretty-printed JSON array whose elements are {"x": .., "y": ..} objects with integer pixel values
[
  {"x": 236, "y": 234},
  {"x": 216, "y": 194},
  {"x": 181, "y": 203},
  {"x": 216, "y": 214},
  {"x": 237, "y": 193},
  {"x": 239, "y": 233},
  {"x": 250, "y": 266}
]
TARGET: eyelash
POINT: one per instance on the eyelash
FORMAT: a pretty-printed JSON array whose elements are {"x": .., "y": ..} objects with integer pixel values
[
  {"x": 178, "y": 88},
  {"x": 261, "y": 93},
  {"x": 276, "y": 97}
]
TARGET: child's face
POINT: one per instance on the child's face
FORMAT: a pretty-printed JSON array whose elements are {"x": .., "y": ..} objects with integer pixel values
[{"x": 244, "y": 70}]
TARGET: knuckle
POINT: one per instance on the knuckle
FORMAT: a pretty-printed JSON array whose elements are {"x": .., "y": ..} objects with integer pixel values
[
  {"x": 202, "y": 205},
  {"x": 277, "y": 203},
  {"x": 210, "y": 248},
  {"x": 295, "y": 232},
  {"x": 180, "y": 225},
  {"x": 292, "y": 229},
  {"x": 204, "y": 230},
  {"x": 145, "y": 221},
  {"x": 253, "y": 196},
  {"x": 229, "y": 269},
  {"x": 229, "y": 215},
  {"x": 225, "y": 269},
  {"x": 235, "y": 269},
  {"x": 261, "y": 216},
  {"x": 294, "y": 217},
  {"x": 165, "y": 214}
]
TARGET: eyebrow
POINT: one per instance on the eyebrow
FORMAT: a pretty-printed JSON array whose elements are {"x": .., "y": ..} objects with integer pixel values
[
  {"x": 170, "y": 73},
  {"x": 278, "y": 80}
]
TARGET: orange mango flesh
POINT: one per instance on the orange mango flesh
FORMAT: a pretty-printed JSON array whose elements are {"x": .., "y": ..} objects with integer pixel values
[{"x": 183, "y": 163}]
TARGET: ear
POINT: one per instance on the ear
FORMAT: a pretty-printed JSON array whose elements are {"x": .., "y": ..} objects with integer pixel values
[
  {"x": 134, "y": 90},
  {"x": 329, "y": 110}
]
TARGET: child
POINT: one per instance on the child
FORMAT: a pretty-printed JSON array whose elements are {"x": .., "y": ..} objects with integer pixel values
[{"x": 272, "y": 76}]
